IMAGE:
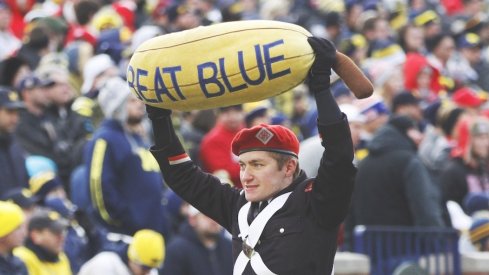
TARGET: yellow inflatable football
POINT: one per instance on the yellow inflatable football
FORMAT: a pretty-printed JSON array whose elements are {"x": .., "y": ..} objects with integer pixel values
[{"x": 221, "y": 65}]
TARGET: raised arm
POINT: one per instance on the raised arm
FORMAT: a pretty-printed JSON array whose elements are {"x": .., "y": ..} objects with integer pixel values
[
  {"x": 334, "y": 183},
  {"x": 204, "y": 191}
]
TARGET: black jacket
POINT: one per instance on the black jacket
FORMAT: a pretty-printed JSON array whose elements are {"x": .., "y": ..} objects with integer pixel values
[
  {"x": 59, "y": 138},
  {"x": 458, "y": 179},
  {"x": 393, "y": 187},
  {"x": 36, "y": 134},
  {"x": 301, "y": 237}
]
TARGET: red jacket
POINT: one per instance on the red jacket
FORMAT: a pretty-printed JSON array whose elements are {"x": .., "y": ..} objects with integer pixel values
[{"x": 215, "y": 153}]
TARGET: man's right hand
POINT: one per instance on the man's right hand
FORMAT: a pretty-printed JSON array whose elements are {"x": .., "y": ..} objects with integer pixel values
[{"x": 156, "y": 113}]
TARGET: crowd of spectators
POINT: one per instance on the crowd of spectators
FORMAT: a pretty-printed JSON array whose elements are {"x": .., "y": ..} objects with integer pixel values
[{"x": 74, "y": 140}]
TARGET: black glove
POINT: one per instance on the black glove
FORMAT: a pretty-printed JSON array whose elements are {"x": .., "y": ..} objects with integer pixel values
[
  {"x": 325, "y": 58},
  {"x": 328, "y": 110},
  {"x": 157, "y": 113}
]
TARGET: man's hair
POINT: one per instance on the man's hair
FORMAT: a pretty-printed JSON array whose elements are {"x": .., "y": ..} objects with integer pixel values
[
  {"x": 85, "y": 9},
  {"x": 282, "y": 160}
]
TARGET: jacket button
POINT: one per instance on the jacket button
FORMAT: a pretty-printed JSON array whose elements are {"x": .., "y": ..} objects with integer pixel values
[{"x": 282, "y": 230}]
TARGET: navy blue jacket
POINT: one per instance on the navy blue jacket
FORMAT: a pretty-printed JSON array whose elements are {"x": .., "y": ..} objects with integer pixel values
[
  {"x": 126, "y": 186},
  {"x": 186, "y": 255},
  {"x": 11, "y": 265},
  {"x": 12, "y": 165}
]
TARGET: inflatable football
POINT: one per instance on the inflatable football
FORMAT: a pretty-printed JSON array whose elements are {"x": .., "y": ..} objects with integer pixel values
[{"x": 228, "y": 63}]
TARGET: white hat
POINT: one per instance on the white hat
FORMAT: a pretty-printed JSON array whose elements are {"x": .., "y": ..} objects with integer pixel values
[
  {"x": 142, "y": 34},
  {"x": 93, "y": 68},
  {"x": 112, "y": 98},
  {"x": 352, "y": 113}
]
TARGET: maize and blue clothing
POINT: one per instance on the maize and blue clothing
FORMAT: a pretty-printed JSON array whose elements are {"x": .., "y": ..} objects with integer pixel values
[{"x": 125, "y": 183}]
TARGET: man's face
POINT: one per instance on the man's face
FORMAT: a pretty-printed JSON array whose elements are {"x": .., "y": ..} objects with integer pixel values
[
  {"x": 5, "y": 17},
  {"x": 8, "y": 120},
  {"x": 61, "y": 92},
  {"x": 423, "y": 80},
  {"x": 138, "y": 269},
  {"x": 260, "y": 175},
  {"x": 411, "y": 110},
  {"x": 205, "y": 226},
  {"x": 39, "y": 97},
  {"x": 473, "y": 55},
  {"x": 480, "y": 146},
  {"x": 232, "y": 119},
  {"x": 187, "y": 21},
  {"x": 135, "y": 110},
  {"x": 100, "y": 79},
  {"x": 356, "y": 129},
  {"x": 15, "y": 238},
  {"x": 445, "y": 49},
  {"x": 49, "y": 240},
  {"x": 415, "y": 135},
  {"x": 382, "y": 29},
  {"x": 414, "y": 38}
]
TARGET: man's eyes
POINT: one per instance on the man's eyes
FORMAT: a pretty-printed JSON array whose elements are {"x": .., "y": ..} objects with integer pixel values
[{"x": 255, "y": 165}]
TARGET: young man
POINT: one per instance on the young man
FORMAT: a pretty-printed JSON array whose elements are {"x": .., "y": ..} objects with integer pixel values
[
  {"x": 302, "y": 214},
  {"x": 12, "y": 157},
  {"x": 43, "y": 252},
  {"x": 120, "y": 169}
]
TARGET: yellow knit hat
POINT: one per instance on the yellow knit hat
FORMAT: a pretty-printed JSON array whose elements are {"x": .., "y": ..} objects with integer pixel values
[
  {"x": 11, "y": 217},
  {"x": 147, "y": 248}
]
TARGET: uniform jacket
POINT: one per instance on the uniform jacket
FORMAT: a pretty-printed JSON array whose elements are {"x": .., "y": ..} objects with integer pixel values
[
  {"x": 186, "y": 255},
  {"x": 125, "y": 183},
  {"x": 12, "y": 165},
  {"x": 393, "y": 187},
  {"x": 308, "y": 221}
]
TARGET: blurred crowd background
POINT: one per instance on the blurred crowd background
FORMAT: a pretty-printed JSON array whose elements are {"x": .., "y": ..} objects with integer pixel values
[{"x": 74, "y": 140}]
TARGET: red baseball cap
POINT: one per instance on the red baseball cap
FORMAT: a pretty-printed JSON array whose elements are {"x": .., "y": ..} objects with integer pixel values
[
  {"x": 263, "y": 137},
  {"x": 466, "y": 97}
]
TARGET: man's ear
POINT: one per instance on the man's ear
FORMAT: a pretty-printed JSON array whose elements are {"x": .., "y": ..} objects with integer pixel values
[{"x": 290, "y": 167}]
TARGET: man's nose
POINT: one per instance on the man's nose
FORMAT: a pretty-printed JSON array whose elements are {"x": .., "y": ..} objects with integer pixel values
[{"x": 246, "y": 175}]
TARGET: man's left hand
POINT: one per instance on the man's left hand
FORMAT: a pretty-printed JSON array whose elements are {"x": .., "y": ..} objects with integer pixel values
[{"x": 325, "y": 55}]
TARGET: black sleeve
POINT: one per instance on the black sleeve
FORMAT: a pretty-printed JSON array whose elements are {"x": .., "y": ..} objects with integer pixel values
[
  {"x": 328, "y": 110},
  {"x": 204, "y": 191},
  {"x": 453, "y": 182},
  {"x": 333, "y": 186}
]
